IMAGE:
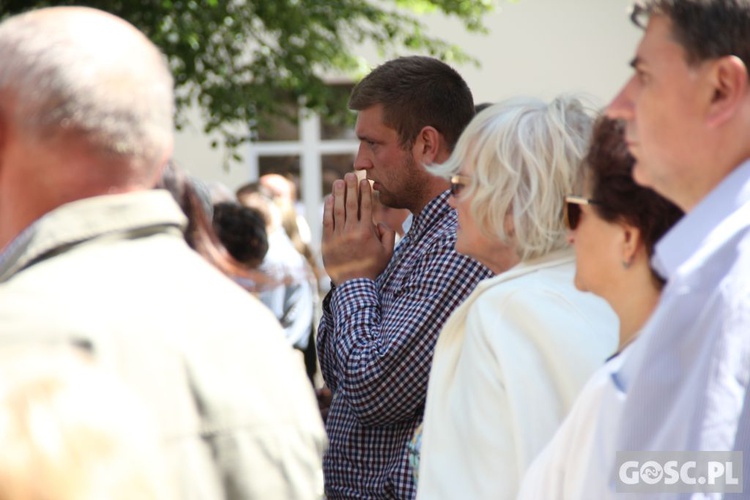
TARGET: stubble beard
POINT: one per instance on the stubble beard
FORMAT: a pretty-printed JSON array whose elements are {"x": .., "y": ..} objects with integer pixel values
[{"x": 403, "y": 194}]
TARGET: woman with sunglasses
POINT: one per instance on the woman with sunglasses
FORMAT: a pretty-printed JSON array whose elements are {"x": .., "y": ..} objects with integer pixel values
[
  {"x": 510, "y": 360},
  {"x": 613, "y": 226}
]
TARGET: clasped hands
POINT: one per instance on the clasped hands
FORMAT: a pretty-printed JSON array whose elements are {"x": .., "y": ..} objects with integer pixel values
[{"x": 353, "y": 246}]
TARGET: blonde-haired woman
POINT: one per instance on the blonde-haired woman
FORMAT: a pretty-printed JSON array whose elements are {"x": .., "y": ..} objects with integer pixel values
[{"x": 512, "y": 358}]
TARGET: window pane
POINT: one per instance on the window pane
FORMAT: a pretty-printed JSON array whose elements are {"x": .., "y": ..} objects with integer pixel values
[
  {"x": 334, "y": 167},
  {"x": 282, "y": 127}
]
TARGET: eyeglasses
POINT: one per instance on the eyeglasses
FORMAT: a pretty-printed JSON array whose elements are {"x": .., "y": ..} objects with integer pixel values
[
  {"x": 458, "y": 182},
  {"x": 573, "y": 210}
]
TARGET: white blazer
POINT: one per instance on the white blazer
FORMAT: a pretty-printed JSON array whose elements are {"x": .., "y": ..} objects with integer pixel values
[{"x": 507, "y": 367}]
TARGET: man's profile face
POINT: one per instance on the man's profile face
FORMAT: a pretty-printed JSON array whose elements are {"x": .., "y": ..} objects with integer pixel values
[
  {"x": 663, "y": 106},
  {"x": 392, "y": 170}
]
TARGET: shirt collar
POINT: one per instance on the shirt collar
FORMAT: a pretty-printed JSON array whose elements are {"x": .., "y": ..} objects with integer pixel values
[
  {"x": 434, "y": 211},
  {"x": 688, "y": 234}
]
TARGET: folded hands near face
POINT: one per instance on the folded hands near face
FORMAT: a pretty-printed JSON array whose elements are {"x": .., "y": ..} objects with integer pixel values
[{"x": 353, "y": 245}]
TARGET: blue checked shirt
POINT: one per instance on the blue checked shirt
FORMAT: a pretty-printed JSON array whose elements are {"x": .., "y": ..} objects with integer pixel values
[{"x": 375, "y": 345}]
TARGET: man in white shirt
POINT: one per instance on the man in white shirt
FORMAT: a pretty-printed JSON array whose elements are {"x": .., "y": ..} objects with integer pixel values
[{"x": 683, "y": 385}]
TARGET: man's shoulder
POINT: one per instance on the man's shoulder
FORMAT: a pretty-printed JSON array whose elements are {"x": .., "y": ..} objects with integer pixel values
[
  {"x": 437, "y": 259},
  {"x": 722, "y": 261},
  {"x": 127, "y": 281},
  {"x": 736, "y": 282}
]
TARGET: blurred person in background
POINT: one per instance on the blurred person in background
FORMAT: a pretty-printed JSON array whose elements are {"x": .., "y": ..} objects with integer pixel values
[
  {"x": 200, "y": 234},
  {"x": 219, "y": 192},
  {"x": 284, "y": 191},
  {"x": 292, "y": 293},
  {"x": 242, "y": 231}
]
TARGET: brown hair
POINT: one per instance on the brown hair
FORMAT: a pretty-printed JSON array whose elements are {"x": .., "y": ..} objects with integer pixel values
[
  {"x": 620, "y": 198},
  {"x": 417, "y": 92},
  {"x": 242, "y": 231}
]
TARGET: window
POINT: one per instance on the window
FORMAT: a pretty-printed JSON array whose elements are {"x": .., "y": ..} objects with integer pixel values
[{"x": 313, "y": 151}]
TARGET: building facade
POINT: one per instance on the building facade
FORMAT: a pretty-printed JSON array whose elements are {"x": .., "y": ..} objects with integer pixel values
[{"x": 534, "y": 47}]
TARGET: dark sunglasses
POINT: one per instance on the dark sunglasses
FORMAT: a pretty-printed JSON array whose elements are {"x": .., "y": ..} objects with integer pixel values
[
  {"x": 458, "y": 182},
  {"x": 573, "y": 210}
]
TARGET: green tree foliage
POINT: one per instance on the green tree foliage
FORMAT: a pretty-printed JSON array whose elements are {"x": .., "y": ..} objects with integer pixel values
[{"x": 242, "y": 60}]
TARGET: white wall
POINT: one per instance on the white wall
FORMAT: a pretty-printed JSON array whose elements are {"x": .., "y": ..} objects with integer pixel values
[
  {"x": 535, "y": 47},
  {"x": 545, "y": 47}
]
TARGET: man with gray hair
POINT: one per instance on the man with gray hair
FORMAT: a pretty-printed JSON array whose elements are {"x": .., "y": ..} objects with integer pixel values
[{"x": 93, "y": 256}]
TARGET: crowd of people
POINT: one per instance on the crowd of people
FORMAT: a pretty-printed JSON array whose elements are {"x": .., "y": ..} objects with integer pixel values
[{"x": 520, "y": 291}]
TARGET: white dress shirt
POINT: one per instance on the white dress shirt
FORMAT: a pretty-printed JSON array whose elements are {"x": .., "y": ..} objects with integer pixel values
[
  {"x": 687, "y": 377},
  {"x": 683, "y": 384}
]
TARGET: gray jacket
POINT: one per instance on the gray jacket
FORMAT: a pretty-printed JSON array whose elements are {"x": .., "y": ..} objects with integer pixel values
[{"x": 113, "y": 274}]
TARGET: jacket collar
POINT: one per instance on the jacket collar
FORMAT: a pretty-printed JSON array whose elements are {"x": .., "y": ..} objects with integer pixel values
[
  {"x": 86, "y": 219},
  {"x": 552, "y": 259}
]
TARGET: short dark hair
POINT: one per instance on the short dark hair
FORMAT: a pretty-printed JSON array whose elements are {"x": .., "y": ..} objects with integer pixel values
[
  {"x": 620, "y": 198},
  {"x": 242, "y": 231},
  {"x": 478, "y": 108},
  {"x": 706, "y": 29},
  {"x": 416, "y": 92}
]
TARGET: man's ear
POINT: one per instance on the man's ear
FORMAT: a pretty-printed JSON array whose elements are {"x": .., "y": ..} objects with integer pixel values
[
  {"x": 729, "y": 81},
  {"x": 427, "y": 145}
]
